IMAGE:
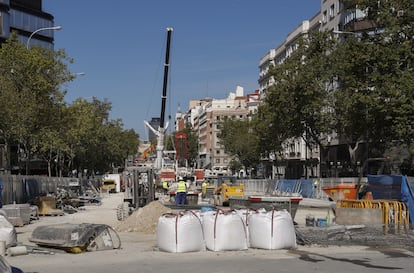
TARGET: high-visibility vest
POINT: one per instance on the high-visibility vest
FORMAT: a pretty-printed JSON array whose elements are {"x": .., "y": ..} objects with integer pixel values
[
  {"x": 181, "y": 186},
  {"x": 165, "y": 185}
]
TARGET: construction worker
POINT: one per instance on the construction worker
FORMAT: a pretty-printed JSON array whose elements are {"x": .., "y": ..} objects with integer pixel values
[
  {"x": 203, "y": 189},
  {"x": 165, "y": 186},
  {"x": 181, "y": 192}
]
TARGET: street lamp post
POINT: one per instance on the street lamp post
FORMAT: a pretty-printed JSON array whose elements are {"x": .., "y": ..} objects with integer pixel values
[{"x": 38, "y": 30}]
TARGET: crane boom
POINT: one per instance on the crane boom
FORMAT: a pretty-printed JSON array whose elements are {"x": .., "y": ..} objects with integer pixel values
[{"x": 161, "y": 129}]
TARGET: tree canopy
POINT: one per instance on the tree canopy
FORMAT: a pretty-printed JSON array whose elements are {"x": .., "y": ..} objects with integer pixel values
[
  {"x": 35, "y": 118},
  {"x": 238, "y": 140},
  {"x": 357, "y": 87}
]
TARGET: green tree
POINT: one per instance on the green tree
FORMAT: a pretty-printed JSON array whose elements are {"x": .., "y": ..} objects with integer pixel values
[
  {"x": 375, "y": 99},
  {"x": 238, "y": 140},
  {"x": 50, "y": 143},
  {"x": 299, "y": 103},
  {"x": 30, "y": 88},
  {"x": 96, "y": 143}
]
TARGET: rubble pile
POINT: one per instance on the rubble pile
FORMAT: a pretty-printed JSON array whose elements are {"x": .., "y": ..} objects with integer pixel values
[{"x": 144, "y": 219}]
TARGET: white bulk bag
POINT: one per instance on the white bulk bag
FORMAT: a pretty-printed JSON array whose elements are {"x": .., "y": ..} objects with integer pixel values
[
  {"x": 271, "y": 230},
  {"x": 7, "y": 232},
  {"x": 204, "y": 213},
  {"x": 244, "y": 214},
  {"x": 224, "y": 231},
  {"x": 180, "y": 232}
]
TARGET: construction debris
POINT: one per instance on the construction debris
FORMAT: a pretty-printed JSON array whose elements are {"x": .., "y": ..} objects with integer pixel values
[
  {"x": 144, "y": 219},
  {"x": 76, "y": 238}
]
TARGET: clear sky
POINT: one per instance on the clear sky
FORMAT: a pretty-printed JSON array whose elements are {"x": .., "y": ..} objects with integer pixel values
[{"x": 216, "y": 45}]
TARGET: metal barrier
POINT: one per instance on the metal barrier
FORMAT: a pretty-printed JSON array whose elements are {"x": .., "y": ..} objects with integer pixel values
[
  {"x": 395, "y": 214},
  {"x": 256, "y": 186},
  {"x": 15, "y": 190}
]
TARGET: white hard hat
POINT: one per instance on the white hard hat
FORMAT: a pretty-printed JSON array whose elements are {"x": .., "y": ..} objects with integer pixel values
[{"x": 180, "y": 178}]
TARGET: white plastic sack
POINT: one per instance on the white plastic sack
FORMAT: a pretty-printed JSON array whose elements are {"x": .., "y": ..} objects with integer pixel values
[
  {"x": 272, "y": 230},
  {"x": 181, "y": 232},
  {"x": 7, "y": 232},
  {"x": 244, "y": 214},
  {"x": 224, "y": 231}
]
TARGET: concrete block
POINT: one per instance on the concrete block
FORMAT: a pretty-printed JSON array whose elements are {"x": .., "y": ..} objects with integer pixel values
[{"x": 358, "y": 216}]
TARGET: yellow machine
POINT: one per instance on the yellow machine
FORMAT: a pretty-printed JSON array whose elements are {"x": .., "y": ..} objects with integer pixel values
[
  {"x": 108, "y": 185},
  {"x": 227, "y": 186}
]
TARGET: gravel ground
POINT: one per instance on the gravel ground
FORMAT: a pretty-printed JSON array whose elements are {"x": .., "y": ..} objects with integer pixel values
[{"x": 354, "y": 235}]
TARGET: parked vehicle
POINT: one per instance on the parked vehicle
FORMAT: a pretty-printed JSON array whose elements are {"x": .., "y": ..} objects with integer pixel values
[{"x": 226, "y": 187}]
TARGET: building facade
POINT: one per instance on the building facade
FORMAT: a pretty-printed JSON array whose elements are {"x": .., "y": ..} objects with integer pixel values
[
  {"x": 155, "y": 124},
  {"x": 206, "y": 116},
  {"x": 301, "y": 161},
  {"x": 25, "y": 17}
]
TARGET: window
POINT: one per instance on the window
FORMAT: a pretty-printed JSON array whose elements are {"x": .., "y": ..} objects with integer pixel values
[
  {"x": 324, "y": 17},
  {"x": 217, "y": 152},
  {"x": 332, "y": 11},
  {"x": 218, "y": 160}
]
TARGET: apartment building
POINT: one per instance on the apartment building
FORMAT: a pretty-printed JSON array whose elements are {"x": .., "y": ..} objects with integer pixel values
[
  {"x": 303, "y": 161},
  {"x": 206, "y": 116}
]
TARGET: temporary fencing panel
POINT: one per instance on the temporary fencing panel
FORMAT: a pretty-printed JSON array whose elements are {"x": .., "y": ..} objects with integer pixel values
[{"x": 305, "y": 187}]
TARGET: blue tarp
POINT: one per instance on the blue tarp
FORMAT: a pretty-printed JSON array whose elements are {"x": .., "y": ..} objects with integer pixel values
[
  {"x": 385, "y": 186},
  {"x": 407, "y": 197},
  {"x": 394, "y": 187}
]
